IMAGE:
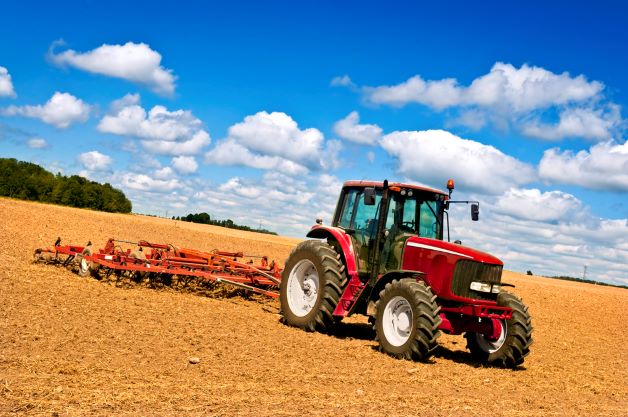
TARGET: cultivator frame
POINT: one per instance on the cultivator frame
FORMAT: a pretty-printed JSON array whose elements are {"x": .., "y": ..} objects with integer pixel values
[{"x": 159, "y": 260}]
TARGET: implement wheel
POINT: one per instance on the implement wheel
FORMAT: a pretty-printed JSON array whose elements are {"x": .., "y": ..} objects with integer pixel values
[
  {"x": 85, "y": 267},
  {"x": 311, "y": 285},
  {"x": 513, "y": 343},
  {"x": 407, "y": 319}
]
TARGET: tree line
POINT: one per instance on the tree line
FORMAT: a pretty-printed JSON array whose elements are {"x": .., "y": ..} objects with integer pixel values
[
  {"x": 28, "y": 181},
  {"x": 204, "y": 218}
]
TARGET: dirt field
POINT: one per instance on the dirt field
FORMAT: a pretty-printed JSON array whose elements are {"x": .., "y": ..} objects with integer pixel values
[{"x": 76, "y": 346}]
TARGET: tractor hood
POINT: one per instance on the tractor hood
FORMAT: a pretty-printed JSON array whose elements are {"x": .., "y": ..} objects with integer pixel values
[{"x": 452, "y": 249}]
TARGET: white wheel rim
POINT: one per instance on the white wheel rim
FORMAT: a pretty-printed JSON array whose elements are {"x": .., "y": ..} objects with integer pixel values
[
  {"x": 397, "y": 321},
  {"x": 491, "y": 346},
  {"x": 83, "y": 265},
  {"x": 303, "y": 288}
]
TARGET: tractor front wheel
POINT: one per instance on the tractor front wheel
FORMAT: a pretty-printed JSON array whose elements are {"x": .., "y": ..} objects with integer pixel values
[
  {"x": 407, "y": 319},
  {"x": 513, "y": 344},
  {"x": 311, "y": 285}
]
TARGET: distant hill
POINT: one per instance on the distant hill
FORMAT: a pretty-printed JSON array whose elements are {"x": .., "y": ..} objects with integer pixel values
[{"x": 28, "y": 181}]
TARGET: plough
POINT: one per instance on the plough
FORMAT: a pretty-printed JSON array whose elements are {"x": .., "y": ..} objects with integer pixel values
[{"x": 163, "y": 261}]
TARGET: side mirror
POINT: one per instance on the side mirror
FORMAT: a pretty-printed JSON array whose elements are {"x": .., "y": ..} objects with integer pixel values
[
  {"x": 369, "y": 196},
  {"x": 475, "y": 212}
]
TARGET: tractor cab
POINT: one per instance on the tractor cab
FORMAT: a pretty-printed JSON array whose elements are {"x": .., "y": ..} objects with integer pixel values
[{"x": 406, "y": 211}]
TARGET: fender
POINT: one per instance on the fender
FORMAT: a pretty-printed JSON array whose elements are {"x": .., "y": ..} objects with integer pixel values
[
  {"x": 344, "y": 240},
  {"x": 385, "y": 279}
]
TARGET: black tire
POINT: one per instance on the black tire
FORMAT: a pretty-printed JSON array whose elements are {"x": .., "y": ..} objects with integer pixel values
[
  {"x": 331, "y": 278},
  {"x": 516, "y": 345},
  {"x": 84, "y": 266},
  {"x": 423, "y": 327}
]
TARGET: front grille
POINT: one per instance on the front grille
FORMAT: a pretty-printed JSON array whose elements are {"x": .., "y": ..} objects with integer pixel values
[{"x": 467, "y": 271}]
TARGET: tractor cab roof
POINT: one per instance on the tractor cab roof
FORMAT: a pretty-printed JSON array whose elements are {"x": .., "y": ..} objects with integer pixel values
[{"x": 380, "y": 184}]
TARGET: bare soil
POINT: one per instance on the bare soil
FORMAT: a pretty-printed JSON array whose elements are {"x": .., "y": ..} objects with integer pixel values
[{"x": 77, "y": 346}]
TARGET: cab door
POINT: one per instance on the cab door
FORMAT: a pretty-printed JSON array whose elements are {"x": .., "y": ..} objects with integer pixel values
[{"x": 360, "y": 221}]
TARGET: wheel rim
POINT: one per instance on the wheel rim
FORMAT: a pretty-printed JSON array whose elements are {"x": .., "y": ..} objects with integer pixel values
[
  {"x": 490, "y": 346},
  {"x": 84, "y": 265},
  {"x": 397, "y": 321},
  {"x": 303, "y": 288}
]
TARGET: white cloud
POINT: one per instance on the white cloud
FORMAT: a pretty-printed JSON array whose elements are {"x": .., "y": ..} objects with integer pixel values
[
  {"x": 36, "y": 143},
  {"x": 274, "y": 141},
  {"x": 532, "y": 204},
  {"x": 342, "y": 81},
  {"x": 230, "y": 152},
  {"x": 587, "y": 123},
  {"x": 370, "y": 156},
  {"x": 6, "y": 85},
  {"x": 528, "y": 88},
  {"x": 279, "y": 202},
  {"x": 277, "y": 134},
  {"x": 61, "y": 110},
  {"x": 135, "y": 62},
  {"x": 603, "y": 167},
  {"x": 513, "y": 96},
  {"x": 143, "y": 182},
  {"x": 519, "y": 89},
  {"x": 166, "y": 132},
  {"x": 433, "y": 156},
  {"x": 164, "y": 173},
  {"x": 185, "y": 164},
  {"x": 95, "y": 161},
  {"x": 549, "y": 233},
  {"x": 437, "y": 94},
  {"x": 350, "y": 129}
]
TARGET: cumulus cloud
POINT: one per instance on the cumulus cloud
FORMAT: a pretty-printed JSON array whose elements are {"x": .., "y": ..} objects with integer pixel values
[
  {"x": 550, "y": 233},
  {"x": 61, "y": 110},
  {"x": 36, "y": 143},
  {"x": 433, "y": 156},
  {"x": 513, "y": 96},
  {"x": 6, "y": 85},
  {"x": 350, "y": 129},
  {"x": 603, "y": 167},
  {"x": 185, "y": 164},
  {"x": 255, "y": 201},
  {"x": 342, "y": 81},
  {"x": 161, "y": 131},
  {"x": 532, "y": 204},
  {"x": 587, "y": 123},
  {"x": 274, "y": 141},
  {"x": 230, "y": 152},
  {"x": 95, "y": 161},
  {"x": 143, "y": 182},
  {"x": 135, "y": 62},
  {"x": 519, "y": 89}
]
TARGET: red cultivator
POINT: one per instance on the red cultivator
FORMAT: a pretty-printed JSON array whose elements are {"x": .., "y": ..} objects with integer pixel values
[{"x": 161, "y": 262}]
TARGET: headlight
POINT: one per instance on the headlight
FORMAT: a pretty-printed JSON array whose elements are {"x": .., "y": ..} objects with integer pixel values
[
  {"x": 480, "y": 286},
  {"x": 496, "y": 288}
]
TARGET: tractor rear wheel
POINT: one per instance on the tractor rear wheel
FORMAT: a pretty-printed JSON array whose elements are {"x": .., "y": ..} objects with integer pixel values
[
  {"x": 311, "y": 285},
  {"x": 513, "y": 344},
  {"x": 407, "y": 319}
]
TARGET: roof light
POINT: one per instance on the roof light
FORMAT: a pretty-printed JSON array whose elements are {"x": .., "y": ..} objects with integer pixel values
[{"x": 450, "y": 184}]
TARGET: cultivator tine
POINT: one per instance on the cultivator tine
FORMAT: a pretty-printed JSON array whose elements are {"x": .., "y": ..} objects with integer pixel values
[{"x": 248, "y": 287}]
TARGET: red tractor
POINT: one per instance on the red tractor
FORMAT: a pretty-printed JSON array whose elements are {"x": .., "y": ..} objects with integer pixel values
[{"x": 384, "y": 256}]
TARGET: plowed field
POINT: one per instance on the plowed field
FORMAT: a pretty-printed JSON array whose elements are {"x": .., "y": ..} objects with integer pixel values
[{"x": 76, "y": 346}]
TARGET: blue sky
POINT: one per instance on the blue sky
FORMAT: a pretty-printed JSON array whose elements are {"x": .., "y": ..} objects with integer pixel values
[{"x": 258, "y": 111}]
